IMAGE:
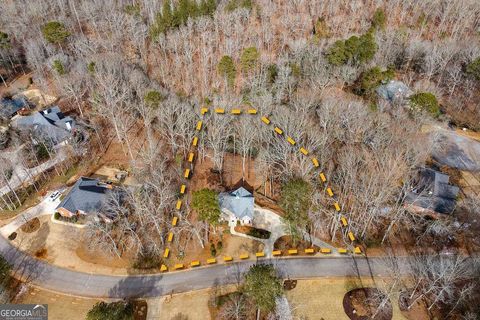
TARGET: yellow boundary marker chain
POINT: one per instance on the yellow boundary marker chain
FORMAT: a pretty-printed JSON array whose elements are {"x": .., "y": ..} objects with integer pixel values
[
  {"x": 291, "y": 141},
  {"x": 166, "y": 253}
]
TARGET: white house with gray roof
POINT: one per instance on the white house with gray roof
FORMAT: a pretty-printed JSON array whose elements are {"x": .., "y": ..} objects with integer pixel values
[{"x": 237, "y": 206}]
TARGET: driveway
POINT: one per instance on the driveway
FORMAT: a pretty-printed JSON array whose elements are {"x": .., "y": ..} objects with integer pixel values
[
  {"x": 269, "y": 220},
  {"x": 45, "y": 207},
  {"x": 26, "y": 176}
]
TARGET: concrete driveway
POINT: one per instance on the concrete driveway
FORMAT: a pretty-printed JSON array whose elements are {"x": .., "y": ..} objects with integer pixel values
[
  {"x": 45, "y": 207},
  {"x": 269, "y": 220}
]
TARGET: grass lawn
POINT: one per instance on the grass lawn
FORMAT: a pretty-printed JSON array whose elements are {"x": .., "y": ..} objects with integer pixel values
[{"x": 322, "y": 298}]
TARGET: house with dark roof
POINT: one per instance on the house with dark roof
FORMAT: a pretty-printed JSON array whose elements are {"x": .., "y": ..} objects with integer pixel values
[
  {"x": 432, "y": 193},
  {"x": 49, "y": 124},
  {"x": 9, "y": 107},
  {"x": 87, "y": 196},
  {"x": 237, "y": 206}
]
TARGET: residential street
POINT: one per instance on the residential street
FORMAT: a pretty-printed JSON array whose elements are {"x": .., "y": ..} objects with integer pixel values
[{"x": 67, "y": 281}]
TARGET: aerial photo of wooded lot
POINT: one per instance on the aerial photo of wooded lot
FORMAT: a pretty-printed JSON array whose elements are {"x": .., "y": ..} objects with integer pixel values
[{"x": 240, "y": 159}]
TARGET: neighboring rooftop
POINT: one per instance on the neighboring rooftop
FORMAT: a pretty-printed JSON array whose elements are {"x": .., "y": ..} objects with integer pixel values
[
  {"x": 50, "y": 123},
  {"x": 432, "y": 191},
  {"x": 86, "y": 196},
  {"x": 394, "y": 91},
  {"x": 10, "y": 106},
  {"x": 239, "y": 202}
]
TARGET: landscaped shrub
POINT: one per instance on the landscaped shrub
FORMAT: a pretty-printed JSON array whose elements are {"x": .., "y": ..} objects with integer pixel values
[
  {"x": 226, "y": 68},
  {"x": 426, "y": 101},
  {"x": 119, "y": 310},
  {"x": 213, "y": 251},
  {"x": 147, "y": 261},
  {"x": 258, "y": 233},
  {"x": 56, "y": 216}
]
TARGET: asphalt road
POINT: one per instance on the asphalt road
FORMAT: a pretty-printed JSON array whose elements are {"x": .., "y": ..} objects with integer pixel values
[{"x": 67, "y": 281}]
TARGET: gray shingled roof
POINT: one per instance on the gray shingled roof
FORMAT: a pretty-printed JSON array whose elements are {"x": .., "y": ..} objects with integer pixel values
[
  {"x": 239, "y": 202},
  {"x": 87, "y": 195},
  {"x": 10, "y": 107},
  {"x": 433, "y": 191},
  {"x": 49, "y": 123}
]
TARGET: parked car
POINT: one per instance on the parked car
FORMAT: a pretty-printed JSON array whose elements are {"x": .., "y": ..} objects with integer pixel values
[{"x": 54, "y": 195}]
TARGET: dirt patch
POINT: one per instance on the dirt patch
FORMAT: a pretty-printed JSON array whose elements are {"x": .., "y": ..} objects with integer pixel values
[
  {"x": 417, "y": 311},
  {"x": 235, "y": 246},
  {"x": 287, "y": 242},
  {"x": 363, "y": 304},
  {"x": 205, "y": 177},
  {"x": 31, "y": 226}
]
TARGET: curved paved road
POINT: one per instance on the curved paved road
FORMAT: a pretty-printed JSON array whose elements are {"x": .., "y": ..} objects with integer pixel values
[{"x": 94, "y": 285}]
